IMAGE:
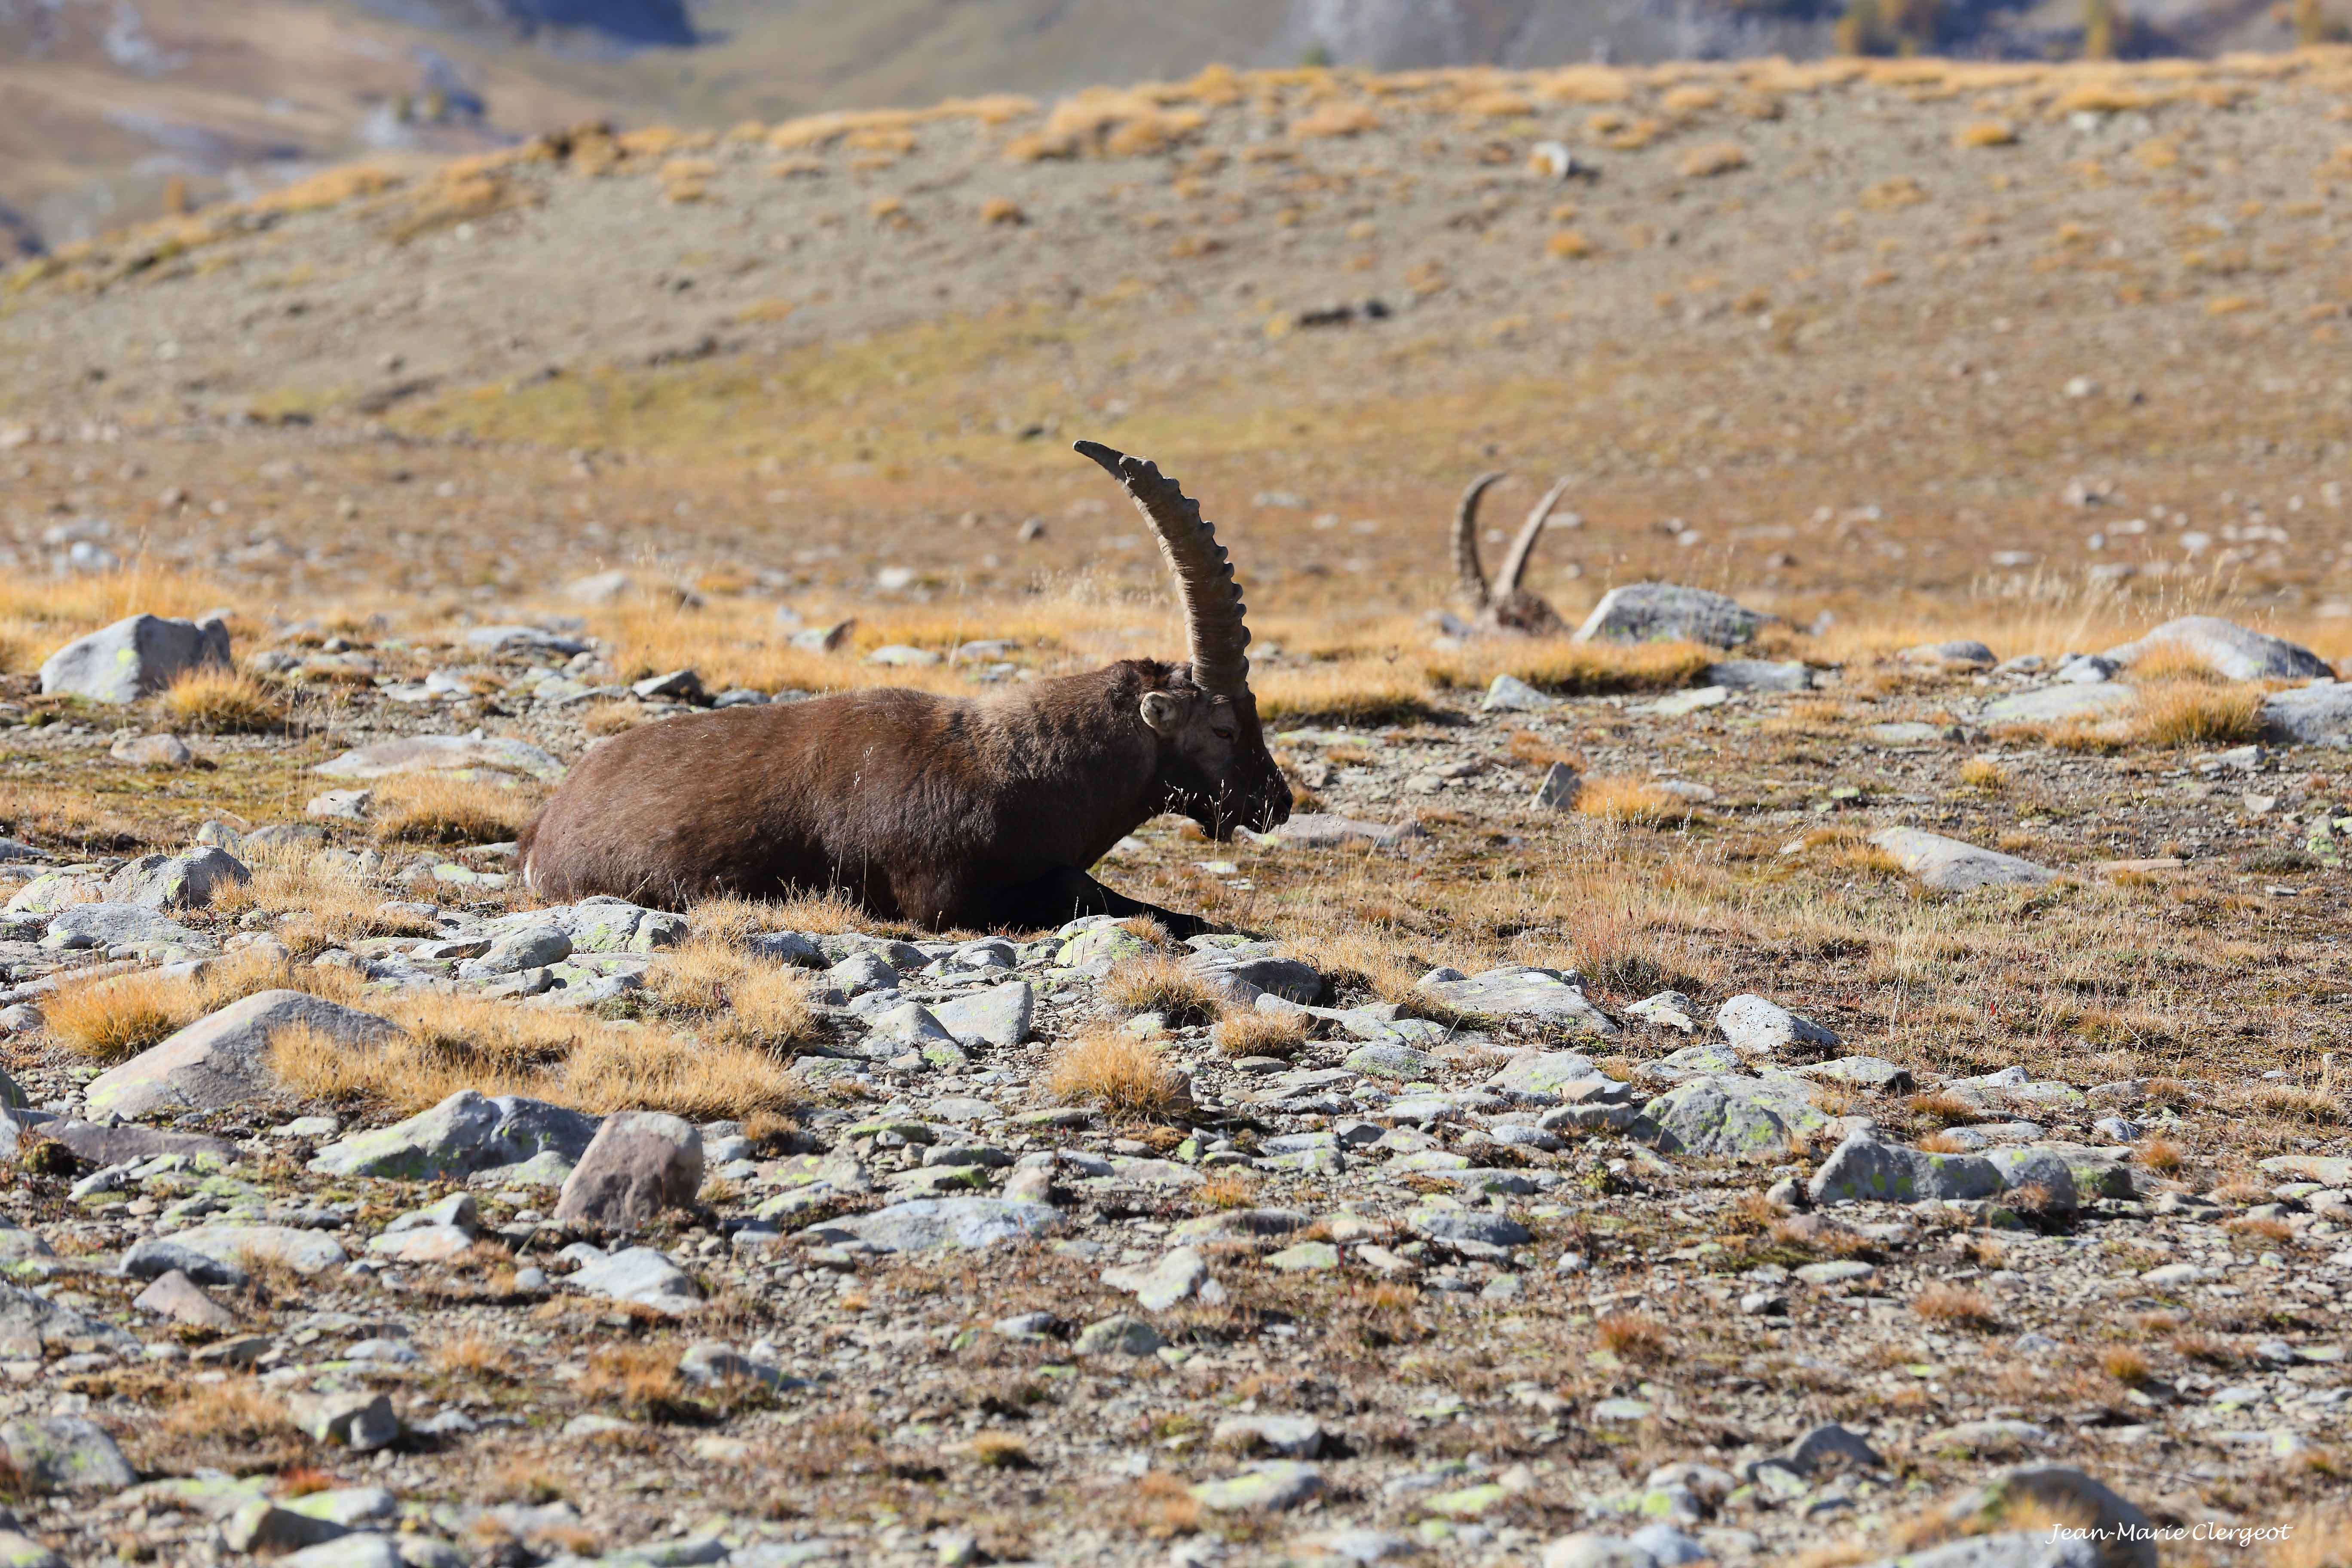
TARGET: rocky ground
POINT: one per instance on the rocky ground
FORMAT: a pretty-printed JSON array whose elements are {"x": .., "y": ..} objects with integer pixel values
[{"x": 1738, "y": 1226}]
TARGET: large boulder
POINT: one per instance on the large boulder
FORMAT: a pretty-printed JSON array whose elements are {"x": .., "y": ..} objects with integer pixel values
[
  {"x": 1864, "y": 1169},
  {"x": 603, "y": 924},
  {"x": 2058, "y": 704},
  {"x": 1956, "y": 866},
  {"x": 134, "y": 657},
  {"x": 639, "y": 1164},
  {"x": 30, "y": 1323},
  {"x": 1727, "y": 1117},
  {"x": 307, "y": 1252},
  {"x": 187, "y": 881},
  {"x": 466, "y": 1134},
  {"x": 2318, "y": 715},
  {"x": 927, "y": 1224},
  {"x": 998, "y": 1017},
  {"x": 65, "y": 1454},
  {"x": 221, "y": 1060},
  {"x": 1546, "y": 996},
  {"x": 105, "y": 926},
  {"x": 1663, "y": 612},
  {"x": 2230, "y": 650},
  {"x": 462, "y": 754}
]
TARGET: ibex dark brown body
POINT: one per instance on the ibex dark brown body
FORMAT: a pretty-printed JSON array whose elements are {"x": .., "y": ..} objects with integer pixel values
[
  {"x": 976, "y": 812},
  {"x": 1507, "y": 608}
]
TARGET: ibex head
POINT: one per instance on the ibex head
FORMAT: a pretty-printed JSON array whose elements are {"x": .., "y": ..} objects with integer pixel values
[
  {"x": 1213, "y": 764},
  {"x": 1509, "y": 606}
]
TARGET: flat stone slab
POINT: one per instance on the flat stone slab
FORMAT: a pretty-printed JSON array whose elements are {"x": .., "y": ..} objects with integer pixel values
[
  {"x": 464, "y": 1135},
  {"x": 2055, "y": 704},
  {"x": 642, "y": 1275},
  {"x": 927, "y": 1224},
  {"x": 443, "y": 753},
  {"x": 1518, "y": 993},
  {"x": 2309, "y": 716},
  {"x": 221, "y": 1060},
  {"x": 305, "y": 1252},
  {"x": 998, "y": 1017},
  {"x": 1726, "y": 1117},
  {"x": 1665, "y": 612},
  {"x": 1912, "y": 734},
  {"x": 1956, "y": 866},
  {"x": 30, "y": 1323},
  {"x": 103, "y": 926},
  {"x": 1760, "y": 674},
  {"x": 2230, "y": 650},
  {"x": 1545, "y": 1072},
  {"x": 1321, "y": 831}
]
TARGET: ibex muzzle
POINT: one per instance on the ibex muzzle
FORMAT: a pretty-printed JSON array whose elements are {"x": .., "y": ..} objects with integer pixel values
[{"x": 973, "y": 812}]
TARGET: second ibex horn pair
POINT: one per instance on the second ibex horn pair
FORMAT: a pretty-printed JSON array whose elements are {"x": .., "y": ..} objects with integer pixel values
[
  {"x": 1506, "y": 607},
  {"x": 980, "y": 812}
]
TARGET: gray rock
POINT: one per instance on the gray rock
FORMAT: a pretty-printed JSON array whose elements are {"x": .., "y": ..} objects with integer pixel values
[
  {"x": 604, "y": 925},
  {"x": 1912, "y": 734},
  {"x": 307, "y": 1252},
  {"x": 926, "y": 1223},
  {"x": 464, "y": 1135},
  {"x": 788, "y": 947},
  {"x": 104, "y": 926},
  {"x": 1753, "y": 1022},
  {"x": 1560, "y": 789},
  {"x": 1954, "y": 866},
  {"x": 2122, "y": 1528},
  {"x": 1730, "y": 1117},
  {"x": 641, "y": 1275},
  {"x": 1483, "y": 1227},
  {"x": 678, "y": 686},
  {"x": 1662, "y": 612},
  {"x": 518, "y": 948},
  {"x": 1510, "y": 694},
  {"x": 1863, "y": 1169},
  {"x": 1759, "y": 675},
  {"x": 1177, "y": 1277},
  {"x": 176, "y": 881},
  {"x": 367, "y": 1549},
  {"x": 1288, "y": 1436},
  {"x": 221, "y": 1060},
  {"x": 361, "y": 1422},
  {"x": 65, "y": 1454},
  {"x": 1320, "y": 830},
  {"x": 2031, "y": 1167},
  {"x": 1873, "y": 1074},
  {"x": 155, "y": 1255},
  {"x": 1955, "y": 654},
  {"x": 1830, "y": 1448},
  {"x": 262, "y": 1526},
  {"x": 152, "y": 751},
  {"x": 284, "y": 835},
  {"x": 1270, "y": 1488},
  {"x": 2010, "y": 1549},
  {"x": 998, "y": 1017},
  {"x": 134, "y": 657},
  {"x": 639, "y": 1164},
  {"x": 175, "y": 1296},
  {"x": 2309, "y": 716},
  {"x": 1545, "y": 1072},
  {"x": 19, "y": 1550},
  {"x": 2231, "y": 651},
  {"x": 1245, "y": 974},
  {"x": 1392, "y": 1060},
  {"x": 1519, "y": 991},
  {"x": 116, "y": 1144},
  {"x": 465, "y": 755},
  {"x": 2056, "y": 704},
  {"x": 1589, "y": 1549},
  {"x": 1118, "y": 1335},
  {"x": 30, "y": 1323},
  {"x": 341, "y": 804}
]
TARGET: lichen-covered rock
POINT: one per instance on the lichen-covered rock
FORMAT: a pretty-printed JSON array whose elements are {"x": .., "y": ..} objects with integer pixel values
[
  {"x": 134, "y": 657},
  {"x": 2230, "y": 650},
  {"x": 187, "y": 881},
  {"x": 2317, "y": 715},
  {"x": 1726, "y": 1117},
  {"x": 1546, "y": 996},
  {"x": 1665, "y": 612},
  {"x": 222, "y": 1060},
  {"x": 1757, "y": 1024},
  {"x": 927, "y": 1224},
  {"x": 464, "y": 1135},
  {"x": 66, "y": 1454},
  {"x": 1866, "y": 1169},
  {"x": 603, "y": 924}
]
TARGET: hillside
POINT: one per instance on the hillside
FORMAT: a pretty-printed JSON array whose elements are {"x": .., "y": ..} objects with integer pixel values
[{"x": 105, "y": 104}]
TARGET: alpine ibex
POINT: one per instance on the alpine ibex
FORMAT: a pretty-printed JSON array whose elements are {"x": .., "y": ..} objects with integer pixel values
[
  {"x": 973, "y": 812},
  {"x": 1512, "y": 608}
]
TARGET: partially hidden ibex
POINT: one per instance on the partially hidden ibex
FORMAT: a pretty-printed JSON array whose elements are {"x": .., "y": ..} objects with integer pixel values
[
  {"x": 980, "y": 812},
  {"x": 1506, "y": 607}
]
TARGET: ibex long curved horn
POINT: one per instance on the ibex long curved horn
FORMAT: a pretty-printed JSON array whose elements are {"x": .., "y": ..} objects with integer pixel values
[
  {"x": 1515, "y": 564},
  {"x": 1469, "y": 574},
  {"x": 1213, "y": 612}
]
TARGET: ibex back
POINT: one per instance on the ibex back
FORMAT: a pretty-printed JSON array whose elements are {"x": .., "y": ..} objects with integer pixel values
[{"x": 977, "y": 812}]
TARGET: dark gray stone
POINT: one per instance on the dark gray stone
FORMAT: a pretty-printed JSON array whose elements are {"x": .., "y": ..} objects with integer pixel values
[
  {"x": 1663, "y": 612},
  {"x": 134, "y": 657}
]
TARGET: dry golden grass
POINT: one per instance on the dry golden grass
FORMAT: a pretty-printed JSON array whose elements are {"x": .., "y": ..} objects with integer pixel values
[
  {"x": 1569, "y": 244},
  {"x": 2190, "y": 713},
  {"x": 999, "y": 1451},
  {"x": 1637, "y": 1336},
  {"x": 456, "y": 1042},
  {"x": 735, "y": 998},
  {"x": 1986, "y": 133},
  {"x": 1571, "y": 669},
  {"x": 109, "y": 1020},
  {"x": 1630, "y": 801},
  {"x": 1344, "y": 692},
  {"x": 641, "y": 1379},
  {"x": 1124, "y": 1076},
  {"x": 1335, "y": 119},
  {"x": 1248, "y": 1033},
  {"x": 613, "y": 718},
  {"x": 1956, "y": 1307},
  {"x": 1984, "y": 774},
  {"x": 1001, "y": 211},
  {"x": 2125, "y": 1364},
  {"x": 2160, "y": 1154},
  {"x": 1162, "y": 986},
  {"x": 210, "y": 700},
  {"x": 442, "y": 809},
  {"x": 1715, "y": 158},
  {"x": 325, "y": 905}
]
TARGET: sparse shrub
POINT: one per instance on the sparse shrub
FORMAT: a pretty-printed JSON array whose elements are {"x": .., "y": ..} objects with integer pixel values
[
  {"x": 109, "y": 1020},
  {"x": 1630, "y": 801},
  {"x": 1162, "y": 986},
  {"x": 210, "y": 700},
  {"x": 2185, "y": 714},
  {"x": 2127, "y": 1365},
  {"x": 1986, "y": 133},
  {"x": 611, "y": 718},
  {"x": 1637, "y": 1336},
  {"x": 1124, "y": 1076},
  {"x": 1715, "y": 158},
  {"x": 1985, "y": 775},
  {"x": 1249, "y": 1033},
  {"x": 1000, "y": 1451},
  {"x": 642, "y": 1380},
  {"x": 442, "y": 809},
  {"x": 1569, "y": 244},
  {"x": 1002, "y": 212},
  {"x": 734, "y": 996}
]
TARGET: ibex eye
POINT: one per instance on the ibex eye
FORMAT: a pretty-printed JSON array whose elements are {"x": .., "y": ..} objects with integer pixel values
[{"x": 1221, "y": 734}]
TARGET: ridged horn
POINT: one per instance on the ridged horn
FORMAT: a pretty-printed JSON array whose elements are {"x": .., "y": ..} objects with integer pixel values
[
  {"x": 1213, "y": 612},
  {"x": 1469, "y": 575},
  {"x": 1515, "y": 564}
]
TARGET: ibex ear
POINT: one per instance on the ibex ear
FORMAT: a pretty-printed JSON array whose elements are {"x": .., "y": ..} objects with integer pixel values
[{"x": 1163, "y": 711}]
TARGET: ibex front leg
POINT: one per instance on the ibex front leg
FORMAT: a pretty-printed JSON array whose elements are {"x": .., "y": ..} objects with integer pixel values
[{"x": 1065, "y": 894}]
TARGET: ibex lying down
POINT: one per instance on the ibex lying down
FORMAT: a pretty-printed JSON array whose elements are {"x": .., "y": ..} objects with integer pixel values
[
  {"x": 1513, "y": 609},
  {"x": 976, "y": 812}
]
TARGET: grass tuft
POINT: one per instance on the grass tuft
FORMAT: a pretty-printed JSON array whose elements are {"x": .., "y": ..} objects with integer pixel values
[
  {"x": 1165, "y": 986},
  {"x": 210, "y": 700},
  {"x": 1124, "y": 1076},
  {"x": 439, "y": 809}
]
